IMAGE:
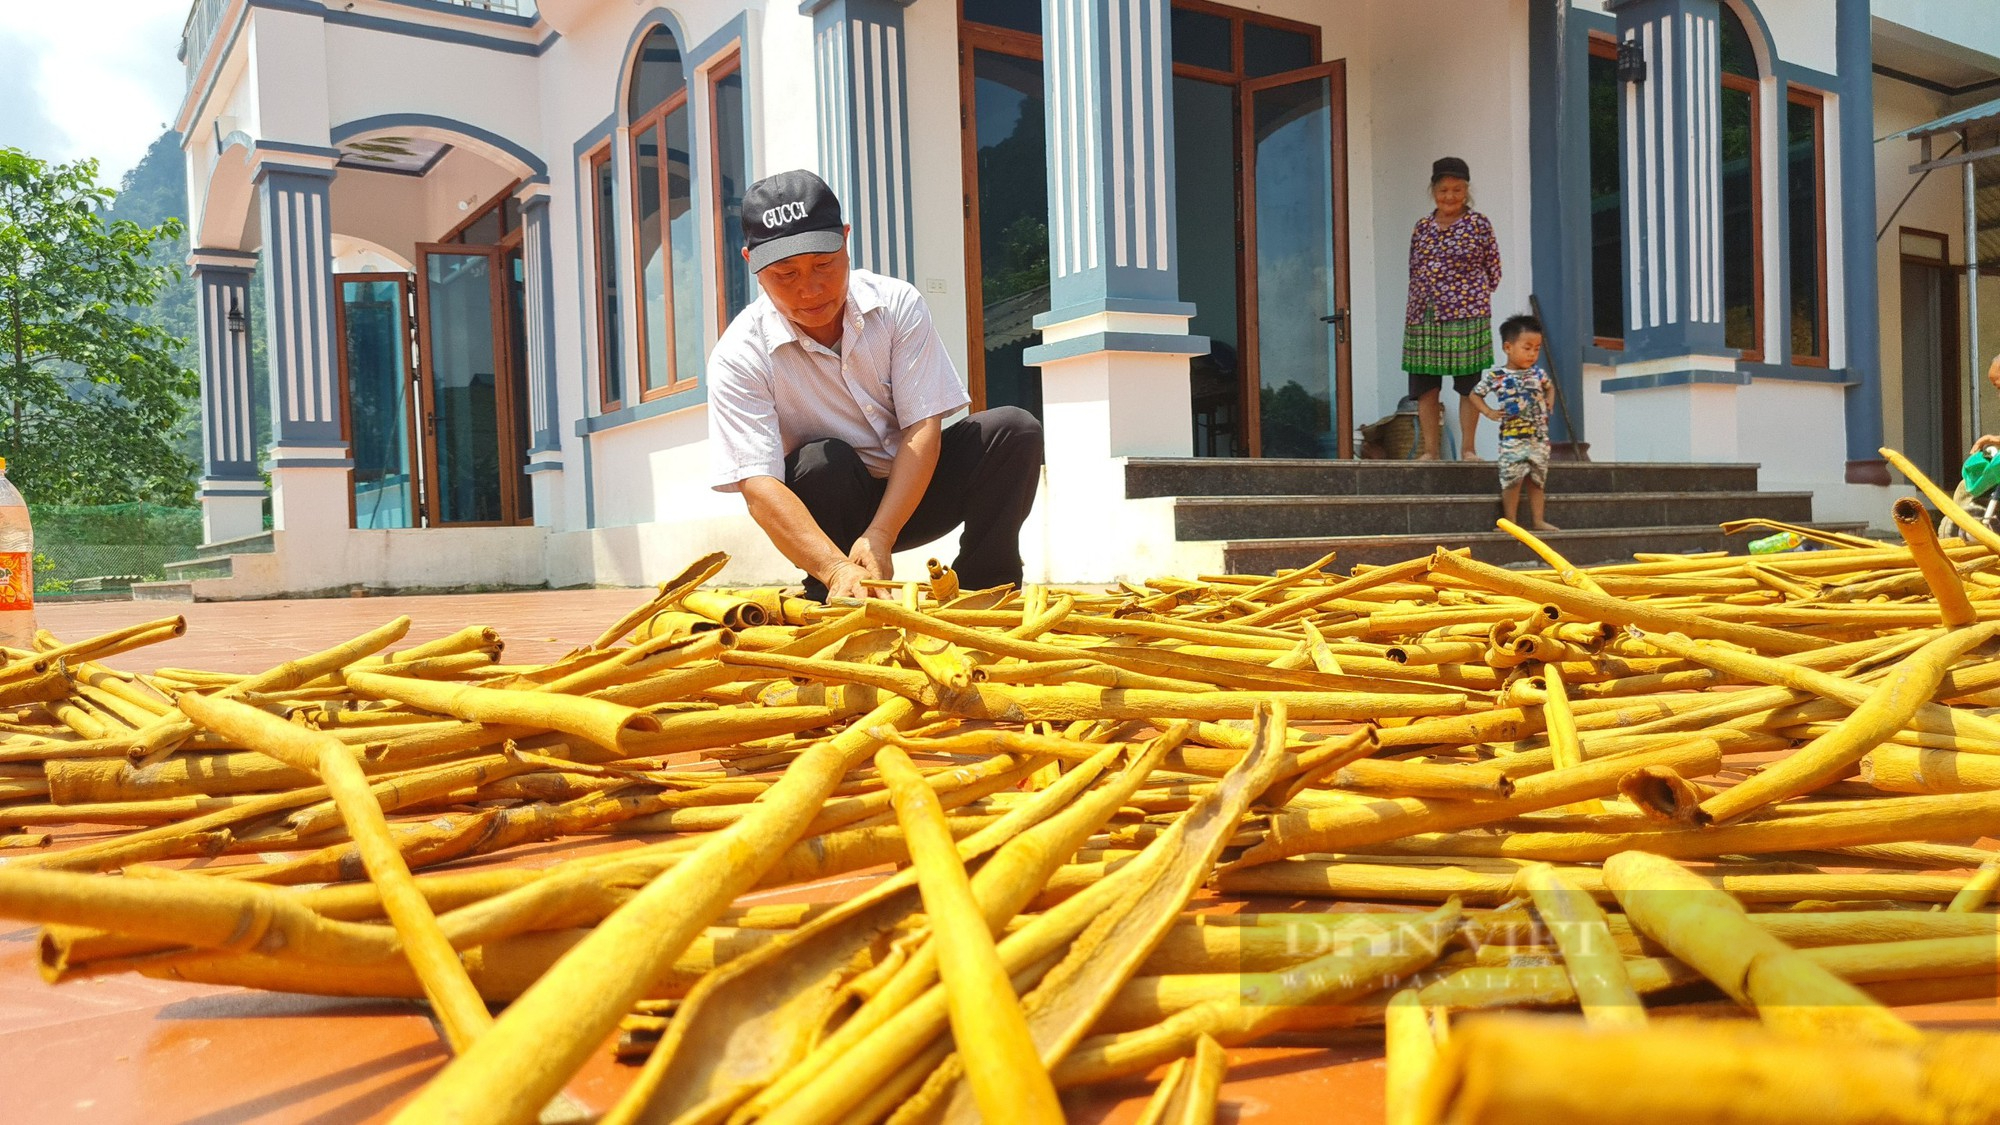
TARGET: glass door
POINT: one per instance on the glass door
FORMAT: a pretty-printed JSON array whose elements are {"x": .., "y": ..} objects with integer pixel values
[
  {"x": 1295, "y": 348},
  {"x": 470, "y": 449},
  {"x": 1007, "y": 207},
  {"x": 372, "y": 327}
]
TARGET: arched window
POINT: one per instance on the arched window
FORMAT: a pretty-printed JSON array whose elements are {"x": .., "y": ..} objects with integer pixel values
[
  {"x": 664, "y": 218},
  {"x": 1742, "y": 199}
]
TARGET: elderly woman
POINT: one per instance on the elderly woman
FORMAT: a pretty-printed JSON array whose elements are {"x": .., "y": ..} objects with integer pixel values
[{"x": 1448, "y": 325}]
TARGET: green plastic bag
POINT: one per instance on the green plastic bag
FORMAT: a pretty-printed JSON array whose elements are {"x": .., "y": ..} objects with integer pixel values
[{"x": 1981, "y": 473}]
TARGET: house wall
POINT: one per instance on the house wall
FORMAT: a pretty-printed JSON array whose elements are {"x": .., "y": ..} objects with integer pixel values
[
  {"x": 1425, "y": 78},
  {"x": 1936, "y": 205},
  {"x": 642, "y": 472}
]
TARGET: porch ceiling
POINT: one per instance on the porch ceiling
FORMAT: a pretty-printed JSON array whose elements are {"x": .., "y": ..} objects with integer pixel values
[
  {"x": 1953, "y": 69},
  {"x": 406, "y": 155}
]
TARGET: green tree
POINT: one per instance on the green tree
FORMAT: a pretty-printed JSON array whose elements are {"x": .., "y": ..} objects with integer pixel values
[{"x": 90, "y": 388}]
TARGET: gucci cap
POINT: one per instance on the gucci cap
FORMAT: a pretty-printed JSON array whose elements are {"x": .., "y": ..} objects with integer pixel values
[{"x": 790, "y": 213}]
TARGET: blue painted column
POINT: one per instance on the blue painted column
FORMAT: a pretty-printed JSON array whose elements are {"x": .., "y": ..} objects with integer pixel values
[
  {"x": 1114, "y": 342},
  {"x": 309, "y": 461},
  {"x": 862, "y": 91},
  {"x": 1673, "y": 184},
  {"x": 1854, "y": 55},
  {"x": 1559, "y": 171},
  {"x": 232, "y": 493}
]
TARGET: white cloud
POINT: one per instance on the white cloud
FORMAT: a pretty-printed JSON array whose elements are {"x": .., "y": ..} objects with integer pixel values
[{"x": 101, "y": 76}]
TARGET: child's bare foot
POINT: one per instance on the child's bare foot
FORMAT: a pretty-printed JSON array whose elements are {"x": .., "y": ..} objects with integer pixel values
[
  {"x": 1544, "y": 525},
  {"x": 1469, "y": 455},
  {"x": 1427, "y": 456}
]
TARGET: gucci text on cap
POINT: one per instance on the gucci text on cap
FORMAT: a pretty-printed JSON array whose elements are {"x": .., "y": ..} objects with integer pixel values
[{"x": 790, "y": 213}]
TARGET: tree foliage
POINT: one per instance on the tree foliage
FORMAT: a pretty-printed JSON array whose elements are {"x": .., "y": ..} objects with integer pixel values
[{"x": 91, "y": 387}]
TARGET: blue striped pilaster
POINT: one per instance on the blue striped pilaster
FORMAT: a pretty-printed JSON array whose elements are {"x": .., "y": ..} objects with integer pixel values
[
  {"x": 862, "y": 93},
  {"x": 1670, "y": 150},
  {"x": 1108, "y": 73},
  {"x": 298, "y": 296},
  {"x": 541, "y": 303},
  {"x": 228, "y": 432},
  {"x": 1115, "y": 346}
]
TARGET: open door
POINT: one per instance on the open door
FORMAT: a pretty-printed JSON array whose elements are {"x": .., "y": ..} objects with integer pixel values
[
  {"x": 471, "y": 448},
  {"x": 378, "y": 419},
  {"x": 1298, "y": 394}
]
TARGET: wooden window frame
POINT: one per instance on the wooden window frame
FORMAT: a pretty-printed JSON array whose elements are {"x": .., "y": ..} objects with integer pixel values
[
  {"x": 728, "y": 62},
  {"x": 510, "y": 238},
  {"x": 655, "y": 118},
  {"x": 1237, "y": 17},
  {"x": 594, "y": 162},
  {"x": 1754, "y": 88},
  {"x": 1942, "y": 237},
  {"x": 1603, "y": 46},
  {"x": 1815, "y": 101}
]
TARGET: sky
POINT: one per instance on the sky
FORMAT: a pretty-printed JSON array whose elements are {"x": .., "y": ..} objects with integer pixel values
[{"x": 95, "y": 79}]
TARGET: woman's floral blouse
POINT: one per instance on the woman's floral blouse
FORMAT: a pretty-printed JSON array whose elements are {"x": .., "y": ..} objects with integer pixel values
[{"x": 1453, "y": 270}]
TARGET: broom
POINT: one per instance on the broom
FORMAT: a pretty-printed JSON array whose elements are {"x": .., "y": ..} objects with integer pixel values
[{"x": 1577, "y": 450}]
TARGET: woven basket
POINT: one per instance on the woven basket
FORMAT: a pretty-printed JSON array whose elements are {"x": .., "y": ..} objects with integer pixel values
[{"x": 1393, "y": 438}]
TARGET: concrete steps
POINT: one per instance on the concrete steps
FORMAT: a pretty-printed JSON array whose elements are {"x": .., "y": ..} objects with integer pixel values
[
  {"x": 167, "y": 591},
  {"x": 211, "y": 561},
  {"x": 262, "y": 543},
  {"x": 1584, "y": 547},
  {"x": 1239, "y": 476},
  {"x": 1264, "y": 516},
  {"x": 1287, "y": 517}
]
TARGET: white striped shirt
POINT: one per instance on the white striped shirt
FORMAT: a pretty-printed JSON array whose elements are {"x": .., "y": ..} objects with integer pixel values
[{"x": 772, "y": 389}]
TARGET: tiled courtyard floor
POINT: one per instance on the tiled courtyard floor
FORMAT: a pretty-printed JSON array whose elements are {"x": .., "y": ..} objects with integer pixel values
[{"x": 130, "y": 1049}]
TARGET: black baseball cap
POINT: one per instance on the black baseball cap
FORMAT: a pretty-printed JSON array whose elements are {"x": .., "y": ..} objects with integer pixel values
[
  {"x": 1450, "y": 167},
  {"x": 790, "y": 213}
]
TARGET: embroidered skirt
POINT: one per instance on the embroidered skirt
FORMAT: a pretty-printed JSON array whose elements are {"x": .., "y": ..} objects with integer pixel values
[{"x": 1448, "y": 347}]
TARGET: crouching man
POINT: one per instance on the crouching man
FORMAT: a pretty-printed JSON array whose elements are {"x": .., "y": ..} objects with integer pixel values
[{"x": 825, "y": 400}]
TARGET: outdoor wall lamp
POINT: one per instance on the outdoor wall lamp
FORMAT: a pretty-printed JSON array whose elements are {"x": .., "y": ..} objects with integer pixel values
[
  {"x": 235, "y": 318},
  {"x": 1631, "y": 62}
]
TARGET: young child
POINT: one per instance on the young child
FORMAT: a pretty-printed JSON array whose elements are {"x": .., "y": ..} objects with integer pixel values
[{"x": 1518, "y": 396}]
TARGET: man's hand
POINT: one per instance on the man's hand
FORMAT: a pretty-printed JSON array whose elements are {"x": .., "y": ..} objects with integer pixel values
[
  {"x": 845, "y": 580},
  {"x": 874, "y": 554}
]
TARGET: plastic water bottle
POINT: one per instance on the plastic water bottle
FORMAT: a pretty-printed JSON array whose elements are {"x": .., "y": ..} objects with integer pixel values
[
  {"x": 1773, "y": 544},
  {"x": 17, "y": 569}
]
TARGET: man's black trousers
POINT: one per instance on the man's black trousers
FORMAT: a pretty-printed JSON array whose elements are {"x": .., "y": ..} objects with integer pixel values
[{"x": 987, "y": 470}]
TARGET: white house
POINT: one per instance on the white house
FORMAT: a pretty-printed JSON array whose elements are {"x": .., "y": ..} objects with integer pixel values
[{"x": 497, "y": 241}]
